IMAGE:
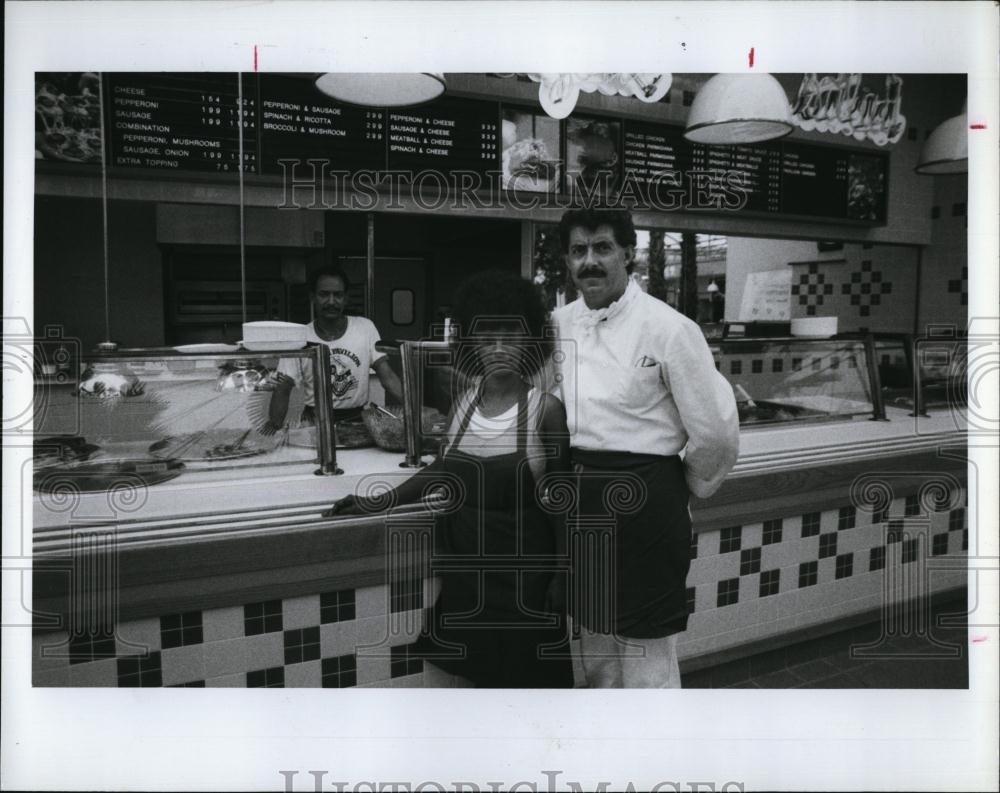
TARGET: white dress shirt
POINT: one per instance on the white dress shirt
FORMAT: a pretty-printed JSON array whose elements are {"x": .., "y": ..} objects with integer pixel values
[{"x": 639, "y": 377}]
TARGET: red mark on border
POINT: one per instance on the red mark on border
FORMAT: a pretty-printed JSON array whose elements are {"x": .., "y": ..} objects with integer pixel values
[
  {"x": 751, "y": 57},
  {"x": 255, "y": 57},
  {"x": 977, "y": 126},
  {"x": 979, "y": 639}
]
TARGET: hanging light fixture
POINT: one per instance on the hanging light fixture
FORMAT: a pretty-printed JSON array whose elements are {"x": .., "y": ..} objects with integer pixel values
[
  {"x": 946, "y": 149},
  {"x": 381, "y": 89},
  {"x": 739, "y": 108}
]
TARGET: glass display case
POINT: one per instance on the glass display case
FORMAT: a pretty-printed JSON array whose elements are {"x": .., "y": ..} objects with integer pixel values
[
  {"x": 795, "y": 380},
  {"x": 151, "y": 415},
  {"x": 922, "y": 374}
]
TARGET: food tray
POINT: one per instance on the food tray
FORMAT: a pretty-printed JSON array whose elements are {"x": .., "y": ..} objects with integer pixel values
[
  {"x": 210, "y": 446},
  {"x": 101, "y": 475}
]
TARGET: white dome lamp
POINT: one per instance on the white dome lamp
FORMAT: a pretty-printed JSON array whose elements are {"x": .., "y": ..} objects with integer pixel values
[
  {"x": 381, "y": 89},
  {"x": 946, "y": 149},
  {"x": 739, "y": 108}
]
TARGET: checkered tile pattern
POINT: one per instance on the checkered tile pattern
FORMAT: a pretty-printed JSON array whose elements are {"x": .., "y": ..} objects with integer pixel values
[
  {"x": 763, "y": 579},
  {"x": 866, "y": 288},
  {"x": 746, "y": 583},
  {"x": 332, "y": 639},
  {"x": 811, "y": 289}
]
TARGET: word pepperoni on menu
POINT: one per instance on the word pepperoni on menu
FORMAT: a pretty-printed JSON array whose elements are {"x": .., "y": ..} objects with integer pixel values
[
  {"x": 457, "y": 135},
  {"x": 183, "y": 122},
  {"x": 298, "y": 124}
]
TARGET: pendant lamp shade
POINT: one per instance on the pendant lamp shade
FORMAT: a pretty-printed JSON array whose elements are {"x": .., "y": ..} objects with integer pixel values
[
  {"x": 381, "y": 89},
  {"x": 946, "y": 150},
  {"x": 739, "y": 108}
]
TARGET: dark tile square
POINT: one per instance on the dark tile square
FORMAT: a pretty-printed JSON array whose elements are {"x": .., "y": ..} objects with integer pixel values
[
  {"x": 264, "y": 617},
  {"x": 180, "y": 630},
  {"x": 939, "y": 545},
  {"x": 910, "y": 550},
  {"x": 845, "y": 565},
  {"x": 810, "y": 311},
  {"x": 827, "y": 545},
  {"x": 689, "y": 596},
  {"x": 865, "y": 311},
  {"x": 912, "y": 505},
  {"x": 403, "y": 662},
  {"x": 876, "y": 558},
  {"x": 847, "y": 518},
  {"x": 776, "y": 365},
  {"x": 274, "y": 677},
  {"x": 340, "y": 671},
  {"x": 810, "y": 524},
  {"x": 894, "y": 532},
  {"x": 749, "y": 561},
  {"x": 756, "y": 366},
  {"x": 138, "y": 672},
  {"x": 808, "y": 574},
  {"x": 736, "y": 367},
  {"x": 730, "y": 539},
  {"x": 769, "y": 582},
  {"x": 956, "y": 519},
  {"x": 337, "y": 606},
  {"x": 92, "y": 646},
  {"x": 772, "y": 531},
  {"x": 728, "y": 592},
  {"x": 301, "y": 645},
  {"x": 694, "y": 545}
]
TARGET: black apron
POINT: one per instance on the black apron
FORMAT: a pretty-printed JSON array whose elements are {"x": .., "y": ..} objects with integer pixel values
[
  {"x": 630, "y": 544},
  {"x": 495, "y": 556}
]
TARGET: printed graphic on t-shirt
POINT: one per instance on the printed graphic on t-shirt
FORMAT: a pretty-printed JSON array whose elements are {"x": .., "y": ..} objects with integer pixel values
[{"x": 343, "y": 381}]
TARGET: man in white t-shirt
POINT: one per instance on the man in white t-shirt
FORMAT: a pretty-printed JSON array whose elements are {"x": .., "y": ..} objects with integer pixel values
[{"x": 351, "y": 344}]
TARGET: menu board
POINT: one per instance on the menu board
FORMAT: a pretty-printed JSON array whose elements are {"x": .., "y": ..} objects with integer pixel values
[
  {"x": 445, "y": 135},
  {"x": 299, "y": 123},
  {"x": 778, "y": 177},
  {"x": 181, "y": 121},
  {"x": 192, "y": 122}
]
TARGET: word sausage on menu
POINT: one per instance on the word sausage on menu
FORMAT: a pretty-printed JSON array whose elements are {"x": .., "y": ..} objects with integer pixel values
[
  {"x": 187, "y": 122},
  {"x": 298, "y": 124},
  {"x": 445, "y": 136}
]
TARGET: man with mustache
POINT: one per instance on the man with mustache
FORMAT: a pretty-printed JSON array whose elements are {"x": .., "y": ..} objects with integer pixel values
[
  {"x": 651, "y": 421},
  {"x": 351, "y": 342}
]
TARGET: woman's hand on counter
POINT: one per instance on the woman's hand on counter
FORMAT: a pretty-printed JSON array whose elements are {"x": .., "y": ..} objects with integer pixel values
[{"x": 348, "y": 505}]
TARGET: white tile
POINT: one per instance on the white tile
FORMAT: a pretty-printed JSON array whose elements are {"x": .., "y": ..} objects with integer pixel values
[
  {"x": 409, "y": 681},
  {"x": 221, "y": 624},
  {"x": 50, "y": 651},
  {"x": 753, "y": 535},
  {"x": 373, "y": 669},
  {"x": 227, "y": 681},
  {"x": 183, "y": 664},
  {"x": 264, "y": 651},
  {"x": 54, "y": 676},
  {"x": 371, "y": 601},
  {"x": 305, "y": 675},
  {"x": 338, "y": 638},
  {"x": 301, "y": 612},
  {"x": 94, "y": 673},
  {"x": 138, "y": 636},
  {"x": 226, "y": 657}
]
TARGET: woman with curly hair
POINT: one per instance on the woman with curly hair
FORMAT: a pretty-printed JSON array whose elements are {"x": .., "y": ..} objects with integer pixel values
[{"x": 497, "y": 622}]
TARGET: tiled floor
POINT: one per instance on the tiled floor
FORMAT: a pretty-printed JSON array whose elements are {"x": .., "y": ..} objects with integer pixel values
[{"x": 842, "y": 660}]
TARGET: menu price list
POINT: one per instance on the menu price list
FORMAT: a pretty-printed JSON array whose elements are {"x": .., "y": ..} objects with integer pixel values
[
  {"x": 656, "y": 157},
  {"x": 189, "y": 122},
  {"x": 813, "y": 181},
  {"x": 298, "y": 123},
  {"x": 446, "y": 135}
]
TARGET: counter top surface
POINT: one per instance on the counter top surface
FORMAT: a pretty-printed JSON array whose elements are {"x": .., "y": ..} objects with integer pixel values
[{"x": 254, "y": 486}]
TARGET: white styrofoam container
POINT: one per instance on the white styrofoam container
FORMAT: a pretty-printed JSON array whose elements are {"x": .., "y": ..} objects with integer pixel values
[{"x": 814, "y": 327}]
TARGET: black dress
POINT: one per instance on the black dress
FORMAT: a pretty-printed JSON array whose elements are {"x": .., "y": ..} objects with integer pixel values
[{"x": 495, "y": 556}]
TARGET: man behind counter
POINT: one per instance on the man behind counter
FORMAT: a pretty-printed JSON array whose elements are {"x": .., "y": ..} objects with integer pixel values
[
  {"x": 351, "y": 344},
  {"x": 641, "y": 390}
]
